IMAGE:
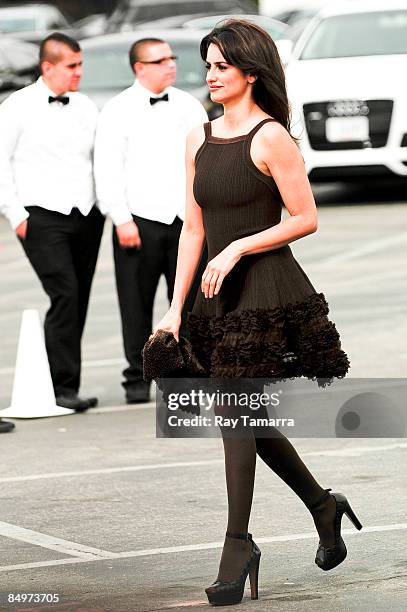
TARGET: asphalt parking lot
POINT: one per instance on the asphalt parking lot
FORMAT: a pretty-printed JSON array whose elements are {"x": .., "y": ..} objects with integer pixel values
[{"x": 97, "y": 511}]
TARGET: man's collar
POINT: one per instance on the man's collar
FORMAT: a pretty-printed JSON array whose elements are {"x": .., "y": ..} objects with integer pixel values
[
  {"x": 47, "y": 91},
  {"x": 147, "y": 93}
]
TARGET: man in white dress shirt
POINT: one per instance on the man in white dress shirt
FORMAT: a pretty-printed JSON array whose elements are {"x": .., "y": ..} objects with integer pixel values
[
  {"x": 141, "y": 184},
  {"x": 47, "y": 192}
]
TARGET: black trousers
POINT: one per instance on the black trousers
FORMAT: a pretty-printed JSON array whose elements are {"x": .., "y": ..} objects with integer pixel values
[
  {"x": 63, "y": 251},
  {"x": 138, "y": 272}
]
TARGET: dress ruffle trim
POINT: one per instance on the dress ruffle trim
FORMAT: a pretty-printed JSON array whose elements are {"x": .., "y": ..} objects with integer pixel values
[{"x": 283, "y": 342}]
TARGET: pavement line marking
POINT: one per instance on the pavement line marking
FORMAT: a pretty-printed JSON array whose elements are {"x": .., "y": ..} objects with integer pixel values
[
  {"x": 354, "y": 451},
  {"x": 129, "y": 468},
  {"x": 95, "y": 363},
  {"x": 283, "y": 538},
  {"x": 6, "y": 371},
  {"x": 366, "y": 249},
  {"x": 192, "y": 547},
  {"x": 102, "y": 363},
  {"x": 340, "y": 452},
  {"x": 120, "y": 408},
  {"x": 45, "y": 541}
]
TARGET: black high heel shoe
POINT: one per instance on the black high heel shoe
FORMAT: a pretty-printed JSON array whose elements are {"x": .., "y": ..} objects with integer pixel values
[
  {"x": 328, "y": 557},
  {"x": 229, "y": 593}
]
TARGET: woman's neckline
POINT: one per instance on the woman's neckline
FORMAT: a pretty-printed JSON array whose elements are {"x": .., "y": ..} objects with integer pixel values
[{"x": 241, "y": 136}]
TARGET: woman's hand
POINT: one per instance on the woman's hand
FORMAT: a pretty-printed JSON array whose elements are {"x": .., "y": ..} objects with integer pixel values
[
  {"x": 218, "y": 268},
  {"x": 170, "y": 322}
]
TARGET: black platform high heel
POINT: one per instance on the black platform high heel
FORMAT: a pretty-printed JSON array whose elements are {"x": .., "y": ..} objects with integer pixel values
[
  {"x": 329, "y": 557},
  {"x": 229, "y": 593}
]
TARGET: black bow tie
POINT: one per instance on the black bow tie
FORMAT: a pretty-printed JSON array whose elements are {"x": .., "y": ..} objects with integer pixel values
[
  {"x": 163, "y": 98},
  {"x": 63, "y": 99}
]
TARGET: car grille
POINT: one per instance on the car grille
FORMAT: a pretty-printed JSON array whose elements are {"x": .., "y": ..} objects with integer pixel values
[{"x": 378, "y": 112}]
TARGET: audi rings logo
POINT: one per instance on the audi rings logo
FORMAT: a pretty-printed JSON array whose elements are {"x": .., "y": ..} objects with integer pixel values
[{"x": 347, "y": 108}]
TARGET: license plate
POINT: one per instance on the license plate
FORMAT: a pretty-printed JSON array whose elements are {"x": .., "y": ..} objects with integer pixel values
[{"x": 345, "y": 129}]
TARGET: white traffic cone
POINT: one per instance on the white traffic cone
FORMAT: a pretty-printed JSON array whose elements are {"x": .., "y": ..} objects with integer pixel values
[{"x": 33, "y": 394}]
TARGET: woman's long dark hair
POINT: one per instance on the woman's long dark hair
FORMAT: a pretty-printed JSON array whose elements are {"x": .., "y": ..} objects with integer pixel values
[{"x": 248, "y": 47}]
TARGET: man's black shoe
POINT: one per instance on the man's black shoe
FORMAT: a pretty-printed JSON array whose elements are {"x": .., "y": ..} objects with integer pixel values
[
  {"x": 74, "y": 402},
  {"x": 92, "y": 401},
  {"x": 138, "y": 394},
  {"x": 6, "y": 426}
]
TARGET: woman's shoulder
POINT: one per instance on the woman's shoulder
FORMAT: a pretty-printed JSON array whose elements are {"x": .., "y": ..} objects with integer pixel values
[
  {"x": 272, "y": 129},
  {"x": 196, "y": 133},
  {"x": 274, "y": 136},
  {"x": 195, "y": 138}
]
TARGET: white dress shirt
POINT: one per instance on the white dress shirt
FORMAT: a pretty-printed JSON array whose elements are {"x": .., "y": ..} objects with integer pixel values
[
  {"x": 140, "y": 154},
  {"x": 46, "y": 152}
]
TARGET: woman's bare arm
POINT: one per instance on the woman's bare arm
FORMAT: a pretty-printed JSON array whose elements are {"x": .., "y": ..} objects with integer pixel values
[
  {"x": 191, "y": 240},
  {"x": 282, "y": 158}
]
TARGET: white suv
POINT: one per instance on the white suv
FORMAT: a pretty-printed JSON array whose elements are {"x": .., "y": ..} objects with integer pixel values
[{"x": 346, "y": 81}]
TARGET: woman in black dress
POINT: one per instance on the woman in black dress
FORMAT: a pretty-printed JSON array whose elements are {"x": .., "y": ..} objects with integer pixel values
[{"x": 258, "y": 314}]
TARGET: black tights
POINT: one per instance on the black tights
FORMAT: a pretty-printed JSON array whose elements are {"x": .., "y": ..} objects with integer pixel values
[{"x": 240, "y": 465}]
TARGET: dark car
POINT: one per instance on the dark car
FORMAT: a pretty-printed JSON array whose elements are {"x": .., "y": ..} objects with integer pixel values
[
  {"x": 18, "y": 65},
  {"x": 107, "y": 70},
  {"x": 133, "y": 12},
  {"x": 31, "y": 22}
]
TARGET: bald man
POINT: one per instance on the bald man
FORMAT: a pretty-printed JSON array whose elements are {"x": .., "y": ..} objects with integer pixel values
[{"x": 47, "y": 193}]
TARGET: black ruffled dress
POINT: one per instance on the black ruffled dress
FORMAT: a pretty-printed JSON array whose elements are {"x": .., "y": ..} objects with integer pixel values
[{"x": 267, "y": 320}]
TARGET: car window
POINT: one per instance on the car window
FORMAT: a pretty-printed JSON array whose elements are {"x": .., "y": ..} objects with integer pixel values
[
  {"x": 21, "y": 55},
  {"x": 108, "y": 67},
  {"x": 53, "y": 19},
  {"x": 158, "y": 10},
  {"x": 376, "y": 33},
  {"x": 4, "y": 63},
  {"x": 274, "y": 28},
  {"x": 190, "y": 67},
  {"x": 154, "y": 11},
  {"x": 18, "y": 24}
]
